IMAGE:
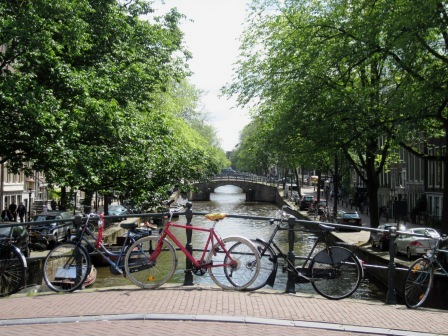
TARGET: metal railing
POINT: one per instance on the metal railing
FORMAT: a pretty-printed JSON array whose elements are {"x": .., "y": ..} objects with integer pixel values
[{"x": 294, "y": 225}]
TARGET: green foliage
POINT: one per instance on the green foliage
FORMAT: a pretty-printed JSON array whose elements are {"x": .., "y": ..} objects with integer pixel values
[
  {"x": 356, "y": 77},
  {"x": 80, "y": 95}
]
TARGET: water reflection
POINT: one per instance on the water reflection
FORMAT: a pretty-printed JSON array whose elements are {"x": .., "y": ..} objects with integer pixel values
[{"x": 231, "y": 200}]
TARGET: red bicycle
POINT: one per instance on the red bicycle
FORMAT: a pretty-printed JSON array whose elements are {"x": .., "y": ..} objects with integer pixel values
[{"x": 152, "y": 260}]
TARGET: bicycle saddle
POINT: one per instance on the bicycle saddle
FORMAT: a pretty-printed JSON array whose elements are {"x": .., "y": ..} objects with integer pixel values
[{"x": 215, "y": 216}]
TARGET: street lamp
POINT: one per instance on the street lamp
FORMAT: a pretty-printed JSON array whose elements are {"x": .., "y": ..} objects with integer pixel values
[{"x": 29, "y": 204}]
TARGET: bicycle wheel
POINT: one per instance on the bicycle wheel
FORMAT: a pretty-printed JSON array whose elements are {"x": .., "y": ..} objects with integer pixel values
[
  {"x": 335, "y": 272},
  {"x": 146, "y": 273},
  {"x": 418, "y": 282},
  {"x": 235, "y": 263},
  {"x": 268, "y": 266},
  {"x": 12, "y": 270},
  {"x": 66, "y": 267}
]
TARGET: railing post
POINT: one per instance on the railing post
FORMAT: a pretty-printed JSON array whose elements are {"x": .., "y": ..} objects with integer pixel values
[
  {"x": 188, "y": 280},
  {"x": 291, "y": 283},
  {"x": 391, "y": 295}
]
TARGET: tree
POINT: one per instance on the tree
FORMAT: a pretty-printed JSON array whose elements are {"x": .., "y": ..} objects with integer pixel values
[
  {"x": 80, "y": 85},
  {"x": 324, "y": 82}
]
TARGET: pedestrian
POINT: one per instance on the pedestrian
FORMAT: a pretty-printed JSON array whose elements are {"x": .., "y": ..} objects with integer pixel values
[
  {"x": 13, "y": 211},
  {"x": 6, "y": 215},
  {"x": 21, "y": 210},
  {"x": 53, "y": 204}
]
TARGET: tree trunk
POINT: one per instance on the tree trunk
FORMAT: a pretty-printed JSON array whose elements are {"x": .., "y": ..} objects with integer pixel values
[
  {"x": 444, "y": 224},
  {"x": 63, "y": 204},
  {"x": 336, "y": 182}
]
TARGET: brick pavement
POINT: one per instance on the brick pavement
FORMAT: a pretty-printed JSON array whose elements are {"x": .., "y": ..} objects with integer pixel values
[{"x": 206, "y": 310}]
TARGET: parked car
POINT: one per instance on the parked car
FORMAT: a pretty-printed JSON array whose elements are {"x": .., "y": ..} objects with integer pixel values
[
  {"x": 306, "y": 201},
  {"x": 322, "y": 203},
  {"x": 20, "y": 237},
  {"x": 381, "y": 239},
  {"x": 348, "y": 218},
  {"x": 46, "y": 234},
  {"x": 117, "y": 210},
  {"x": 413, "y": 245}
]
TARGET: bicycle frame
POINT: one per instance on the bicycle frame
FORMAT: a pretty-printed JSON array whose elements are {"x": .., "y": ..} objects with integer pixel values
[
  {"x": 303, "y": 271},
  {"x": 433, "y": 257},
  {"x": 291, "y": 266},
  {"x": 198, "y": 263},
  {"x": 105, "y": 253},
  {"x": 420, "y": 275}
]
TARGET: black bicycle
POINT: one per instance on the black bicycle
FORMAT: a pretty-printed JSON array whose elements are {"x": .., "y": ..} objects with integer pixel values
[
  {"x": 68, "y": 265},
  {"x": 420, "y": 275},
  {"x": 335, "y": 272},
  {"x": 12, "y": 264}
]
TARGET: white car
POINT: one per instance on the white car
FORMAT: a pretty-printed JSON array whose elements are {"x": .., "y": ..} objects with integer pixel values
[{"x": 414, "y": 245}]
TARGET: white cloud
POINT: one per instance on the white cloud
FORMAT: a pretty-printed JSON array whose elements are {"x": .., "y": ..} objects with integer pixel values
[{"x": 213, "y": 39}]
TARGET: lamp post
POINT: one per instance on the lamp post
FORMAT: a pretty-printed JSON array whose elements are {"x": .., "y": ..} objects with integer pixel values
[{"x": 29, "y": 204}]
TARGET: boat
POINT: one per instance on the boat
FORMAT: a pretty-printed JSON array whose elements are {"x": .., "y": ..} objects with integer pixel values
[
  {"x": 64, "y": 276},
  {"x": 90, "y": 280}
]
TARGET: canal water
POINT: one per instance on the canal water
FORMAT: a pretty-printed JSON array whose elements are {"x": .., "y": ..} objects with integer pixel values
[{"x": 231, "y": 200}]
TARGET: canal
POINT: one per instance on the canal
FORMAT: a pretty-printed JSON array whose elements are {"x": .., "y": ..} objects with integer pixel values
[{"x": 230, "y": 199}]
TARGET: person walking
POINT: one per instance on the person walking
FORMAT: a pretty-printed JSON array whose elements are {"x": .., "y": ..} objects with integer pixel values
[
  {"x": 21, "y": 210},
  {"x": 53, "y": 204},
  {"x": 13, "y": 211}
]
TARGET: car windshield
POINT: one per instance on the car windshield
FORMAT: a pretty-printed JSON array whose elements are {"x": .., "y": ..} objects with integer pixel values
[
  {"x": 115, "y": 207},
  {"x": 429, "y": 232},
  {"x": 5, "y": 230},
  {"x": 350, "y": 215},
  {"x": 43, "y": 218},
  {"x": 308, "y": 198}
]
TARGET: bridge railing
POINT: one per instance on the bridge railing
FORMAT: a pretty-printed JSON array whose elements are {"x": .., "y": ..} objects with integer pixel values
[
  {"x": 306, "y": 225},
  {"x": 294, "y": 224},
  {"x": 243, "y": 177}
]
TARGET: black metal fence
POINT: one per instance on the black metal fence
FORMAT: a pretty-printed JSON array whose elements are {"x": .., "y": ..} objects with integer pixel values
[{"x": 294, "y": 224}]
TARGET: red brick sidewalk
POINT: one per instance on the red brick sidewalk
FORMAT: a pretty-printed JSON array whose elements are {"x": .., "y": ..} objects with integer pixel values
[{"x": 199, "y": 310}]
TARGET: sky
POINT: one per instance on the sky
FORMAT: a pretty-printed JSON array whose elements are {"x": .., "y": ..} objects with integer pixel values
[{"x": 212, "y": 38}]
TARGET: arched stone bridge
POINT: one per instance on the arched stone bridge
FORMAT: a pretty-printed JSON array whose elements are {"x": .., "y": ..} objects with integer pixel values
[{"x": 256, "y": 189}]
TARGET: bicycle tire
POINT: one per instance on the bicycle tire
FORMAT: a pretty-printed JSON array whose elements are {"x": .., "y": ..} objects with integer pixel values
[
  {"x": 66, "y": 267},
  {"x": 138, "y": 268},
  {"x": 268, "y": 266},
  {"x": 245, "y": 270},
  {"x": 335, "y": 272},
  {"x": 12, "y": 270},
  {"x": 419, "y": 280}
]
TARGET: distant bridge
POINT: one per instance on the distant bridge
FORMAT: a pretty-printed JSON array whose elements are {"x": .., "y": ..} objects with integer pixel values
[{"x": 256, "y": 188}]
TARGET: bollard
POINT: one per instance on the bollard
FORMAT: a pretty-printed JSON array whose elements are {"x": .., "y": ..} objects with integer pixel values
[
  {"x": 77, "y": 222},
  {"x": 391, "y": 294},
  {"x": 188, "y": 280},
  {"x": 291, "y": 283}
]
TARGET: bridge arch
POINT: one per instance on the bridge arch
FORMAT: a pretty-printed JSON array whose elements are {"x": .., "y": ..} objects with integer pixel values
[{"x": 255, "y": 191}]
